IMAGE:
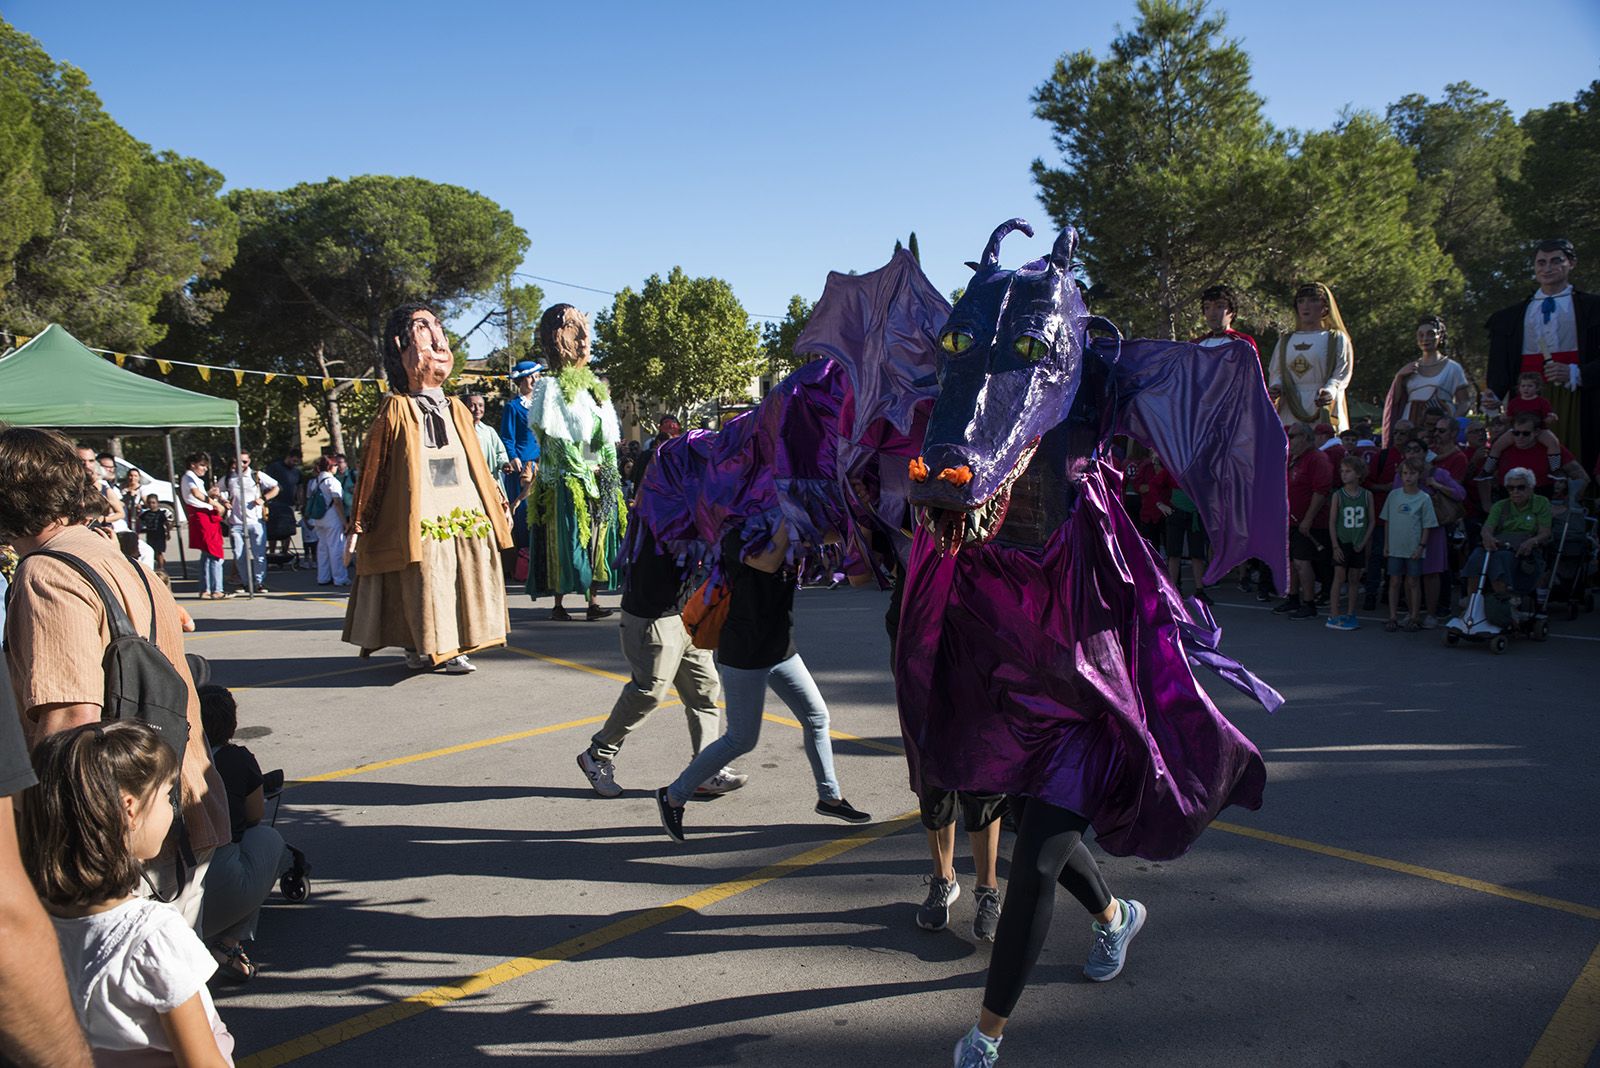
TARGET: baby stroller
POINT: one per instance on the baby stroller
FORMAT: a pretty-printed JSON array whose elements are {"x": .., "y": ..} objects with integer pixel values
[
  {"x": 1496, "y": 618},
  {"x": 1572, "y": 563},
  {"x": 295, "y": 885}
]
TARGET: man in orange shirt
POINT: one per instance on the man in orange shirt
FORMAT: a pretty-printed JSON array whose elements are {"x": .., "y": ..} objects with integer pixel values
[{"x": 58, "y": 631}]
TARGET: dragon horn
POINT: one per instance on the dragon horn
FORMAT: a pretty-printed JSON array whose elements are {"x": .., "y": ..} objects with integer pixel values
[
  {"x": 1066, "y": 244},
  {"x": 991, "y": 251}
]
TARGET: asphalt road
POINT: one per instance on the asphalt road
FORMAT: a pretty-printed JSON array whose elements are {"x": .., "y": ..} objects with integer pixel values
[{"x": 1421, "y": 886}]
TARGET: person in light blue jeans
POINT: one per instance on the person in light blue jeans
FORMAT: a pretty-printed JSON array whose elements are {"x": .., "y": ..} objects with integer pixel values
[{"x": 756, "y": 650}]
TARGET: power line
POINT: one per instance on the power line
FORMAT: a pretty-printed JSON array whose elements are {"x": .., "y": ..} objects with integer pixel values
[{"x": 612, "y": 293}]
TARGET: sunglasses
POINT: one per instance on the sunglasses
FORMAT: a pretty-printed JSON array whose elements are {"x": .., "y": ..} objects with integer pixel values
[{"x": 1522, "y": 433}]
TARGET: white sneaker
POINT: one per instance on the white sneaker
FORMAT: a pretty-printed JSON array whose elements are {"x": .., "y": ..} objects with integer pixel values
[
  {"x": 725, "y": 781},
  {"x": 601, "y": 775},
  {"x": 458, "y": 665}
]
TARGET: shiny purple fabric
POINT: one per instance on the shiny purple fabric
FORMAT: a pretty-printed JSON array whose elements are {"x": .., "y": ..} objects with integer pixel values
[
  {"x": 827, "y": 448},
  {"x": 883, "y": 327},
  {"x": 777, "y": 463},
  {"x": 1206, "y": 413},
  {"x": 1061, "y": 674}
]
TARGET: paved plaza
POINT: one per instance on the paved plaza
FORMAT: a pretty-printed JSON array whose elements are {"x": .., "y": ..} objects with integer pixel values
[{"x": 1421, "y": 886}]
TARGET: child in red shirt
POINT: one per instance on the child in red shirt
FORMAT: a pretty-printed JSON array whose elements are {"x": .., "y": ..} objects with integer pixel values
[
  {"x": 1528, "y": 399},
  {"x": 1154, "y": 484}
]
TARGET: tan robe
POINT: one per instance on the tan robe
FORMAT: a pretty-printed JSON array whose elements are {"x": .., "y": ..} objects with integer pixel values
[{"x": 453, "y": 599}]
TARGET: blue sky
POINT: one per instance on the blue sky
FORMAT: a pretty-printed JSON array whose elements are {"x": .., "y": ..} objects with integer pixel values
[{"x": 763, "y": 144}]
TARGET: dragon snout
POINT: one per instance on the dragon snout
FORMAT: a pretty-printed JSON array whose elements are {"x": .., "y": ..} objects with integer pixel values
[{"x": 957, "y": 476}]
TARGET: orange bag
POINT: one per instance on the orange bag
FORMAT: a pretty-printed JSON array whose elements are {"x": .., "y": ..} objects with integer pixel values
[{"x": 705, "y": 613}]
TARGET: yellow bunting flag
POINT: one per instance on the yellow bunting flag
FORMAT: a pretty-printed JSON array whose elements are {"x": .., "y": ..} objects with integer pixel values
[
  {"x": 238, "y": 378},
  {"x": 267, "y": 378},
  {"x": 302, "y": 380},
  {"x": 120, "y": 357},
  {"x": 327, "y": 383},
  {"x": 355, "y": 384},
  {"x": 23, "y": 339},
  {"x": 383, "y": 385},
  {"x": 165, "y": 366},
  {"x": 205, "y": 373}
]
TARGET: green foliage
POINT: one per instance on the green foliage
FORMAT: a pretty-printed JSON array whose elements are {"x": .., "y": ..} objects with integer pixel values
[
  {"x": 1467, "y": 147},
  {"x": 518, "y": 319},
  {"x": 1165, "y": 160},
  {"x": 320, "y": 265},
  {"x": 1353, "y": 229},
  {"x": 121, "y": 230},
  {"x": 1177, "y": 182},
  {"x": 465, "y": 522},
  {"x": 678, "y": 342},
  {"x": 1558, "y": 193},
  {"x": 24, "y": 209},
  {"x": 777, "y": 339}
]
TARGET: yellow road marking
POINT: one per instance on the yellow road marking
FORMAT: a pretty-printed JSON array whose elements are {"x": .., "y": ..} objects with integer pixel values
[
  {"x": 573, "y": 664},
  {"x": 452, "y": 750},
  {"x": 1588, "y": 912},
  {"x": 517, "y": 967},
  {"x": 1570, "y": 1037},
  {"x": 203, "y": 635},
  {"x": 371, "y": 665}
]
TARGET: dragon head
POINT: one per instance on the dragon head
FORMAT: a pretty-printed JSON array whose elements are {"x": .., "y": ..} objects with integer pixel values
[{"x": 1011, "y": 361}]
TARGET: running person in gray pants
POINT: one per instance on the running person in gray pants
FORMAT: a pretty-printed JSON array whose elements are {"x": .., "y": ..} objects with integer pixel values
[{"x": 660, "y": 655}]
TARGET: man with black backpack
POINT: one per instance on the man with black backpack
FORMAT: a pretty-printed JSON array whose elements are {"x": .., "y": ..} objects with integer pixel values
[{"x": 89, "y": 636}]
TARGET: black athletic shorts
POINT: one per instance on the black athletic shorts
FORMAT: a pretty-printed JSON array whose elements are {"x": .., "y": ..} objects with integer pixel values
[
  {"x": 977, "y": 810},
  {"x": 1354, "y": 559},
  {"x": 1181, "y": 528},
  {"x": 1313, "y": 547}
]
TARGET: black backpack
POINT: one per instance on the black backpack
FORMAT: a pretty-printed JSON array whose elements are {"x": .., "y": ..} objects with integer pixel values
[{"x": 142, "y": 685}]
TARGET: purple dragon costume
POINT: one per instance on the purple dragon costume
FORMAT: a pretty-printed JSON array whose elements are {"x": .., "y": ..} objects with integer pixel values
[{"x": 1042, "y": 650}]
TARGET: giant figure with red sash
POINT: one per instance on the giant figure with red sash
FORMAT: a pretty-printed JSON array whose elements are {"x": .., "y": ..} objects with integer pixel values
[{"x": 1554, "y": 333}]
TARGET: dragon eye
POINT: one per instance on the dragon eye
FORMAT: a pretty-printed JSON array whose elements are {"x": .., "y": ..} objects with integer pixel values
[
  {"x": 1031, "y": 349},
  {"x": 955, "y": 342}
]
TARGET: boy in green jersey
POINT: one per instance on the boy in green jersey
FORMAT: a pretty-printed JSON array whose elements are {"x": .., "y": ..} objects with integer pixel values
[{"x": 1351, "y": 521}]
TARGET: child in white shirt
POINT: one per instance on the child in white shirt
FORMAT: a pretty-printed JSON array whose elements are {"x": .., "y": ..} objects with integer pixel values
[{"x": 137, "y": 972}]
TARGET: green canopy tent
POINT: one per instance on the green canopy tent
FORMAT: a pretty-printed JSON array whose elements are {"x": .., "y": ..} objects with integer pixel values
[{"x": 55, "y": 381}]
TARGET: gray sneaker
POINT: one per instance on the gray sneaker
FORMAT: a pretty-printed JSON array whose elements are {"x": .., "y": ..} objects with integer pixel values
[
  {"x": 934, "y": 915},
  {"x": 987, "y": 919},
  {"x": 600, "y": 773},
  {"x": 725, "y": 781},
  {"x": 1110, "y": 949},
  {"x": 975, "y": 1051}
]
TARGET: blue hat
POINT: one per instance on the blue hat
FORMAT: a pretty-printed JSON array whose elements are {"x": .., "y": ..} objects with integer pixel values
[{"x": 526, "y": 368}]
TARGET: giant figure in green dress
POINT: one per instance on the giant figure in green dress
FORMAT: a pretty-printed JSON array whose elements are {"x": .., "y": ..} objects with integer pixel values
[{"x": 577, "y": 495}]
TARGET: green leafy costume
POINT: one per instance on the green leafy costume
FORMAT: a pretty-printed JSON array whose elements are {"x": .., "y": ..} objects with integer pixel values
[{"x": 577, "y": 498}]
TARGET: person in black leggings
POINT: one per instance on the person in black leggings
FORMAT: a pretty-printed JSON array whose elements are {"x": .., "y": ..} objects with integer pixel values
[{"x": 1049, "y": 850}]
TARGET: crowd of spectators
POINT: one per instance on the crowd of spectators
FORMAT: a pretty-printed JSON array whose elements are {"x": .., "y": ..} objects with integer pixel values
[{"x": 1398, "y": 526}]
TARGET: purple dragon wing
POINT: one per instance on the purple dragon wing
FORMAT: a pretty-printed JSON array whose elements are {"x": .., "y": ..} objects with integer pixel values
[
  {"x": 1206, "y": 413},
  {"x": 883, "y": 329},
  {"x": 778, "y": 462}
]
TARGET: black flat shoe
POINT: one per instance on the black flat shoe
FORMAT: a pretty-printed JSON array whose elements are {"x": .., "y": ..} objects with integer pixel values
[
  {"x": 671, "y": 817},
  {"x": 842, "y": 810}
]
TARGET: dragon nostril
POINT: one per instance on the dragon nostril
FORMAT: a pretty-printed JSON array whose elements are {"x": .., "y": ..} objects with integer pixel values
[
  {"x": 919, "y": 470},
  {"x": 956, "y": 476}
]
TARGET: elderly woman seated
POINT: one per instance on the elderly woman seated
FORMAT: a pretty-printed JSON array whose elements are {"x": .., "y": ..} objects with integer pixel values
[{"x": 1513, "y": 535}]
